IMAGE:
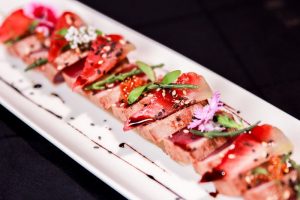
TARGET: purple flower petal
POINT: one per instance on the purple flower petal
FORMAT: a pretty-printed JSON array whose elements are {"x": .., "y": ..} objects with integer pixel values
[{"x": 204, "y": 116}]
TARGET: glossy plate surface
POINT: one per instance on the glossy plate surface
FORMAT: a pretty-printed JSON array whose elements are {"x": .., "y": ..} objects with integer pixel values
[{"x": 94, "y": 138}]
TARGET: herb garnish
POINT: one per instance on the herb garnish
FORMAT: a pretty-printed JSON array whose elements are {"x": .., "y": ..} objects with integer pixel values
[
  {"x": 287, "y": 159},
  {"x": 100, "y": 85},
  {"x": 228, "y": 122},
  {"x": 39, "y": 62},
  {"x": 147, "y": 70},
  {"x": 62, "y": 32},
  {"x": 171, "y": 77},
  {"x": 33, "y": 25},
  {"x": 259, "y": 171},
  {"x": 213, "y": 134},
  {"x": 165, "y": 84}
]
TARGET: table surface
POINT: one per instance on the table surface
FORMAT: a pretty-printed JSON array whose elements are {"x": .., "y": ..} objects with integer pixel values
[{"x": 254, "y": 43}]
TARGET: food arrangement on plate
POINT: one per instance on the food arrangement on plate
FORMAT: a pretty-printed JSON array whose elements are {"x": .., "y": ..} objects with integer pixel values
[{"x": 176, "y": 111}]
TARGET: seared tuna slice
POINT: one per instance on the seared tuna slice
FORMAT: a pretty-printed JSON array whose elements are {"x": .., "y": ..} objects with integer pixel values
[
  {"x": 160, "y": 129},
  {"x": 167, "y": 101},
  {"x": 26, "y": 46},
  {"x": 248, "y": 151},
  {"x": 47, "y": 69},
  {"x": 185, "y": 147},
  {"x": 263, "y": 176},
  {"x": 213, "y": 159},
  {"x": 277, "y": 189},
  {"x": 107, "y": 51},
  {"x": 58, "y": 42},
  {"x": 68, "y": 58}
]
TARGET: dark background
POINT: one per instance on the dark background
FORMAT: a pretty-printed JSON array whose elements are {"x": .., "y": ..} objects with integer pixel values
[{"x": 254, "y": 43}]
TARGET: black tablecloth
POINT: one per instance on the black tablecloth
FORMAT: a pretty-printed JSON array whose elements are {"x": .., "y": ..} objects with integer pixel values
[{"x": 254, "y": 43}]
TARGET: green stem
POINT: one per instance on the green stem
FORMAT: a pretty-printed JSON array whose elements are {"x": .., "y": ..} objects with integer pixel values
[
  {"x": 212, "y": 134},
  {"x": 170, "y": 86},
  {"x": 39, "y": 62},
  {"x": 113, "y": 78}
]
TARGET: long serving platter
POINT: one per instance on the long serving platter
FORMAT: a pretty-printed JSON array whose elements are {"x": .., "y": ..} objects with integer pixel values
[{"x": 95, "y": 139}]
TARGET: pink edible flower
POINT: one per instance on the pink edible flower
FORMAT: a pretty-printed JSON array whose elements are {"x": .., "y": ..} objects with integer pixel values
[
  {"x": 204, "y": 116},
  {"x": 44, "y": 15}
]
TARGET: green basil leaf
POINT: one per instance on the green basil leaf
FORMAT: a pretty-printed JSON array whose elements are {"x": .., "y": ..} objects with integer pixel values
[
  {"x": 33, "y": 25},
  {"x": 98, "y": 32},
  {"x": 228, "y": 122},
  {"x": 39, "y": 62},
  {"x": 136, "y": 93},
  {"x": 171, "y": 77},
  {"x": 62, "y": 32},
  {"x": 259, "y": 170},
  {"x": 147, "y": 70}
]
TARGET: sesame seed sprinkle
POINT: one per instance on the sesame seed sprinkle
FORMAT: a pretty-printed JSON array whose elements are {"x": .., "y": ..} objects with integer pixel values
[
  {"x": 231, "y": 156},
  {"x": 186, "y": 131}
]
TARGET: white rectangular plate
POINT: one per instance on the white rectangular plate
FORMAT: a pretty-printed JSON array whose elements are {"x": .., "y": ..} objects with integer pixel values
[{"x": 140, "y": 170}]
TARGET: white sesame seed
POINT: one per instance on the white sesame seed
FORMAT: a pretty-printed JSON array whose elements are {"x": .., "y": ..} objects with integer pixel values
[
  {"x": 113, "y": 105},
  {"x": 184, "y": 92},
  {"x": 122, "y": 42},
  {"x": 163, "y": 93},
  {"x": 100, "y": 62},
  {"x": 110, "y": 85},
  {"x": 77, "y": 50},
  {"x": 231, "y": 156},
  {"x": 60, "y": 67},
  {"x": 248, "y": 179},
  {"x": 122, "y": 104},
  {"x": 186, "y": 102},
  {"x": 264, "y": 144},
  {"x": 173, "y": 92},
  {"x": 177, "y": 101},
  {"x": 107, "y": 48},
  {"x": 104, "y": 55},
  {"x": 158, "y": 89},
  {"x": 186, "y": 131},
  {"x": 286, "y": 194},
  {"x": 231, "y": 146}
]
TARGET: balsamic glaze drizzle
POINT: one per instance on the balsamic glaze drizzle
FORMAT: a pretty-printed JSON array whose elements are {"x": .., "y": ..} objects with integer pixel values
[
  {"x": 122, "y": 145},
  {"x": 148, "y": 175},
  {"x": 57, "y": 96},
  {"x": 21, "y": 93},
  {"x": 96, "y": 143},
  {"x": 36, "y": 86},
  {"x": 214, "y": 194}
]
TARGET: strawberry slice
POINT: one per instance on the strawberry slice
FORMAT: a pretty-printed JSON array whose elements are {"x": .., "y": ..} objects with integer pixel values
[
  {"x": 167, "y": 101},
  {"x": 58, "y": 42},
  {"x": 14, "y": 26},
  {"x": 107, "y": 51},
  {"x": 250, "y": 150}
]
